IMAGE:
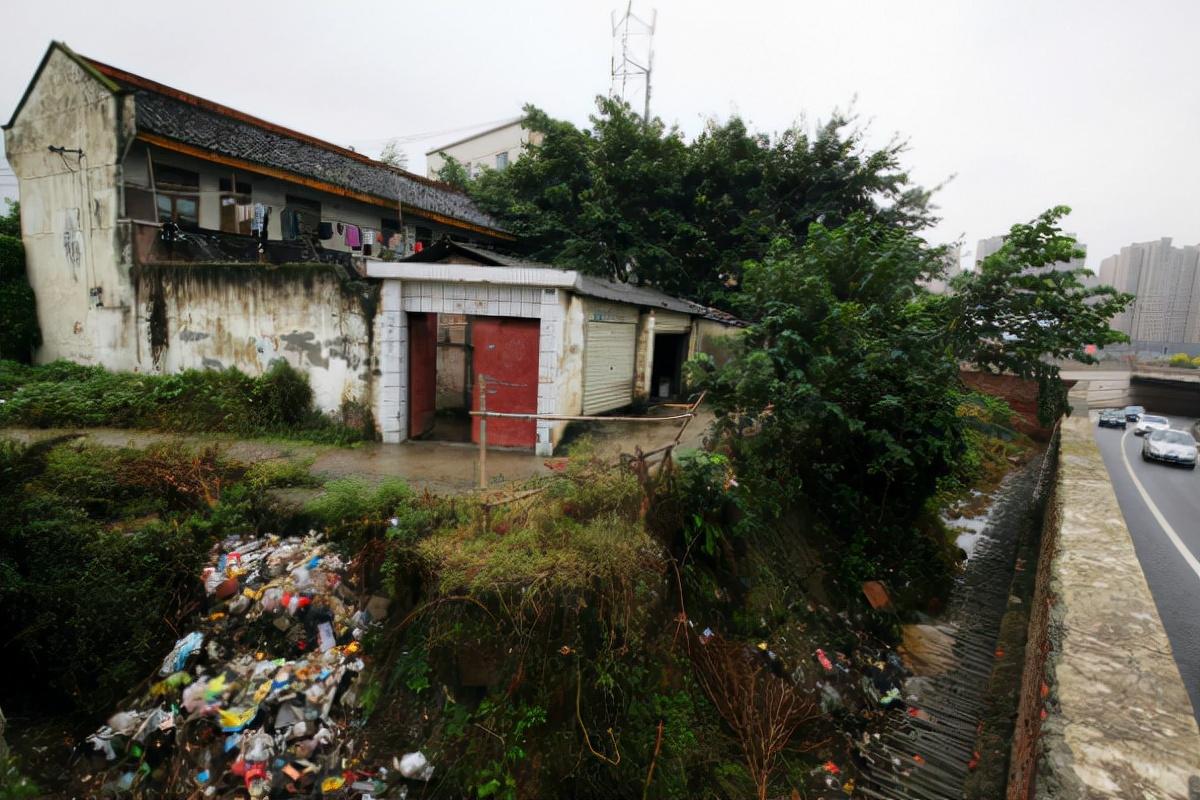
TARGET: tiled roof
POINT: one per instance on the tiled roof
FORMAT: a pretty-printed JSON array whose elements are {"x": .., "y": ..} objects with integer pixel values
[{"x": 207, "y": 125}]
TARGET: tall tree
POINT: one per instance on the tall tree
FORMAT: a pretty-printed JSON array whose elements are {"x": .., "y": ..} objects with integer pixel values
[
  {"x": 1017, "y": 312},
  {"x": 841, "y": 401},
  {"x": 635, "y": 202}
]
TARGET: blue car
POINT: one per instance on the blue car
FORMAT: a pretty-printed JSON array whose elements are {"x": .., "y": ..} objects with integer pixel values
[{"x": 1134, "y": 413}]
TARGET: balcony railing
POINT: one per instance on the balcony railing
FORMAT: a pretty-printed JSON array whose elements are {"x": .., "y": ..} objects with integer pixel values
[{"x": 156, "y": 244}]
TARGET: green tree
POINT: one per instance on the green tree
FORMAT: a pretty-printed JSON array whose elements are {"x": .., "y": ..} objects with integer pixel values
[
  {"x": 10, "y": 221},
  {"x": 1017, "y": 313},
  {"x": 848, "y": 370},
  {"x": 394, "y": 155},
  {"x": 19, "y": 332},
  {"x": 453, "y": 172},
  {"x": 635, "y": 202},
  {"x": 841, "y": 402}
]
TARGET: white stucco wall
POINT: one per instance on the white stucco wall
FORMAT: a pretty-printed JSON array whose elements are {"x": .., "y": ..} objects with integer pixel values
[
  {"x": 480, "y": 151},
  {"x": 69, "y": 209},
  {"x": 246, "y": 317}
]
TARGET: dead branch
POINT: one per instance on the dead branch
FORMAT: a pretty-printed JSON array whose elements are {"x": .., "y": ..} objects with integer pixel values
[{"x": 763, "y": 711}]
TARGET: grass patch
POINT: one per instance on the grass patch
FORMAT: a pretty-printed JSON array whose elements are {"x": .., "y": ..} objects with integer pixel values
[
  {"x": 580, "y": 532},
  {"x": 64, "y": 395}
]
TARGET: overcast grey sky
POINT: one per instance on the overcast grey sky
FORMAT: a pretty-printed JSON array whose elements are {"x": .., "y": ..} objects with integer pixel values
[{"x": 1091, "y": 103}]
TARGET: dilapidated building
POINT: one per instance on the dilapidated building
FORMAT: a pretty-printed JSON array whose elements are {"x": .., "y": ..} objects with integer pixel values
[{"x": 165, "y": 232}]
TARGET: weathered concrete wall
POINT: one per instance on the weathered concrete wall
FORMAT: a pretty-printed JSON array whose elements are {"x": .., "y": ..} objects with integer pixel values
[
  {"x": 1117, "y": 719},
  {"x": 713, "y": 338},
  {"x": 567, "y": 382},
  {"x": 69, "y": 210},
  {"x": 219, "y": 316}
]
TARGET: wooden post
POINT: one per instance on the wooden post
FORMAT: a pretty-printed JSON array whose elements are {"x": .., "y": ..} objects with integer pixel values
[{"x": 483, "y": 432}]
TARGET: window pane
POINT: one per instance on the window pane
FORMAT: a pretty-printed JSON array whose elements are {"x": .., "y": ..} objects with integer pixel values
[{"x": 185, "y": 209}]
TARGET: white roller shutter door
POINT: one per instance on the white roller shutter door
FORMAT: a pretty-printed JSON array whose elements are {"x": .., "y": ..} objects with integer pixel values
[
  {"x": 608, "y": 358},
  {"x": 670, "y": 322}
]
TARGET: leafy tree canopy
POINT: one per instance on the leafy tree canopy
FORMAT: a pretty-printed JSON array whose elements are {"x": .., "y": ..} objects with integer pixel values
[
  {"x": 842, "y": 400},
  {"x": 1017, "y": 313},
  {"x": 636, "y": 202},
  {"x": 10, "y": 221}
]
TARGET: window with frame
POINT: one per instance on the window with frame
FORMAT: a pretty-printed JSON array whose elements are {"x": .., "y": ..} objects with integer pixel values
[
  {"x": 237, "y": 212},
  {"x": 502, "y": 160},
  {"x": 178, "y": 195}
]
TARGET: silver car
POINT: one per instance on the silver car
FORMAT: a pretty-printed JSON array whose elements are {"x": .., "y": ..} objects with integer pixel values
[
  {"x": 1150, "y": 423},
  {"x": 1171, "y": 447}
]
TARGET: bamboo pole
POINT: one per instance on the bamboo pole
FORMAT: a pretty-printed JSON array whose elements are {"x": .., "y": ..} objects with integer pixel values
[{"x": 483, "y": 418}]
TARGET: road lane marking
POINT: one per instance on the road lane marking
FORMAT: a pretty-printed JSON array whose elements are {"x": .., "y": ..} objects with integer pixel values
[{"x": 1162, "y": 521}]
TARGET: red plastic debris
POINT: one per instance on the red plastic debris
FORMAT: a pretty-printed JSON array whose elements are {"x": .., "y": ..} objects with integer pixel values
[
  {"x": 824, "y": 659},
  {"x": 832, "y": 768},
  {"x": 974, "y": 762},
  {"x": 917, "y": 758}
]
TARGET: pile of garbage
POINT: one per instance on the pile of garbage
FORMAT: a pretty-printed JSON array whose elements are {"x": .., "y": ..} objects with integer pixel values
[{"x": 260, "y": 700}]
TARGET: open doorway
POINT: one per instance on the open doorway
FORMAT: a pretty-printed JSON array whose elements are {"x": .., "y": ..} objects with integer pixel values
[
  {"x": 439, "y": 347},
  {"x": 666, "y": 372},
  {"x": 445, "y": 354}
]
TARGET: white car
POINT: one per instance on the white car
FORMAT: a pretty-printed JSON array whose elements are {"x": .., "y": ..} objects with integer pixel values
[
  {"x": 1149, "y": 422},
  {"x": 1173, "y": 447}
]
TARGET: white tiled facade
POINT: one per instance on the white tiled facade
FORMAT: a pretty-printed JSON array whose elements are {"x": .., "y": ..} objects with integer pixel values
[{"x": 398, "y": 298}]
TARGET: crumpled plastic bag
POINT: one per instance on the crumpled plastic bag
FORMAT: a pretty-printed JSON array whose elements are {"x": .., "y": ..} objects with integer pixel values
[
  {"x": 176, "y": 660},
  {"x": 415, "y": 766}
]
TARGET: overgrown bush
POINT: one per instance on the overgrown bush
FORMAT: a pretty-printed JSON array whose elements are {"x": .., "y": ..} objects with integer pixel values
[
  {"x": 100, "y": 550},
  {"x": 62, "y": 394}
]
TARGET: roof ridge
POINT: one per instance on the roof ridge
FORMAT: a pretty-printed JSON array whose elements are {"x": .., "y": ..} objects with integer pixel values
[{"x": 141, "y": 82}]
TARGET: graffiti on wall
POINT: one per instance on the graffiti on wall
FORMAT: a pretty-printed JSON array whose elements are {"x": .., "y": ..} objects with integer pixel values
[{"x": 72, "y": 240}]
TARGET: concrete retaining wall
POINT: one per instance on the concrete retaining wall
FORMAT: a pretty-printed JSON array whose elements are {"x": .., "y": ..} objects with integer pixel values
[{"x": 1104, "y": 713}]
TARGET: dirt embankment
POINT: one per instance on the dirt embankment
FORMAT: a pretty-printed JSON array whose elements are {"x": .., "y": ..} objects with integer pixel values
[{"x": 1019, "y": 393}]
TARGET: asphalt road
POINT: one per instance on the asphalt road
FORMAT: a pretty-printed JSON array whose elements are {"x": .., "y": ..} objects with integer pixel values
[{"x": 1161, "y": 506}]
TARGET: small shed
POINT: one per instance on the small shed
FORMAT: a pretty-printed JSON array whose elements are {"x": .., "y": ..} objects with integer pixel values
[{"x": 542, "y": 339}]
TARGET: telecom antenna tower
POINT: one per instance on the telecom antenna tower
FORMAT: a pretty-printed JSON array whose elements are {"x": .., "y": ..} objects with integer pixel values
[{"x": 632, "y": 56}]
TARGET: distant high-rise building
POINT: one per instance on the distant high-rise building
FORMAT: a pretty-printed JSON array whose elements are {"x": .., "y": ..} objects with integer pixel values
[{"x": 1165, "y": 282}]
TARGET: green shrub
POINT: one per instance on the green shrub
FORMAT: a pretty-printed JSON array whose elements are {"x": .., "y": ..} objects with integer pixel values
[
  {"x": 100, "y": 550},
  {"x": 62, "y": 394}
]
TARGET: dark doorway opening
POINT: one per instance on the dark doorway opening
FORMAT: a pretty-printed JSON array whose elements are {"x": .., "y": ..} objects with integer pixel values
[
  {"x": 446, "y": 354},
  {"x": 666, "y": 372},
  {"x": 422, "y": 374},
  {"x": 439, "y": 377}
]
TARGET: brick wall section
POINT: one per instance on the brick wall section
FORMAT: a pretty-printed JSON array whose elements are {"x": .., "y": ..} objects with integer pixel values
[
  {"x": 1023, "y": 760},
  {"x": 1019, "y": 393}
]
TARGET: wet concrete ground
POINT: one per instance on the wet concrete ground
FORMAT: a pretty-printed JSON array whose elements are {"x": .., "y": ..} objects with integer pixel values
[{"x": 442, "y": 467}]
